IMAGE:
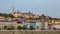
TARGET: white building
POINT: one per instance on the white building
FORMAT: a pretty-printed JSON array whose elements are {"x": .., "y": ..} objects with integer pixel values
[
  {"x": 56, "y": 23},
  {"x": 8, "y": 23},
  {"x": 38, "y": 25}
]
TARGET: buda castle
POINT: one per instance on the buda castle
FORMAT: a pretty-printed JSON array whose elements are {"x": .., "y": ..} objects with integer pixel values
[{"x": 20, "y": 14}]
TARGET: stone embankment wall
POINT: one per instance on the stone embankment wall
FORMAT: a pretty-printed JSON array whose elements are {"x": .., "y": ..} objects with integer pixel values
[{"x": 29, "y": 32}]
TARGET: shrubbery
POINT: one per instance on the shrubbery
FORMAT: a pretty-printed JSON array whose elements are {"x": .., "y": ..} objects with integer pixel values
[
  {"x": 19, "y": 27},
  {"x": 11, "y": 27},
  {"x": 5, "y": 27},
  {"x": 30, "y": 27}
]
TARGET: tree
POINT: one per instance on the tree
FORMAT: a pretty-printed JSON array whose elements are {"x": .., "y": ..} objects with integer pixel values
[
  {"x": 37, "y": 27},
  {"x": 23, "y": 27},
  {"x": 10, "y": 15},
  {"x": 20, "y": 16},
  {"x": 0, "y": 14},
  {"x": 6, "y": 15},
  {"x": 19, "y": 27},
  {"x": 0, "y": 28},
  {"x": 11, "y": 27},
  {"x": 54, "y": 28},
  {"x": 5, "y": 27},
  {"x": 50, "y": 18},
  {"x": 42, "y": 14},
  {"x": 30, "y": 27}
]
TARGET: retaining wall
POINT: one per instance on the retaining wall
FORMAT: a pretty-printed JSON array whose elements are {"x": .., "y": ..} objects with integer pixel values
[{"x": 29, "y": 32}]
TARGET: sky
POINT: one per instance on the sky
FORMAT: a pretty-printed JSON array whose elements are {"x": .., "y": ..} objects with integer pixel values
[{"x": 47, "y": 7}]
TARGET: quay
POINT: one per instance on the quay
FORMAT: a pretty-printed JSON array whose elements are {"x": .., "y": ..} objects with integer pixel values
[{"x": 29, "y": 32}]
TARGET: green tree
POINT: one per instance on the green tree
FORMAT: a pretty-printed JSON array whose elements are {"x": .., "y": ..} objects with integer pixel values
[
  {"x": 30, "y": 27},
  {"x": 54, "y": 28},
  {"x": 5, "y": 27},
  {"x": 19, "y": 27},
  {"x": 0, "y": 14},
  {"x": 20, "y": 16},
  {"x": 10, "y": 15},
  {"x": 50, "y": 18},
  {"x": 23, "y": 27},
  {"x": 0, "y": 28},
  {"x": 37, "y": 27},
  {"x": 11, "y": 27},
  {"x": 6, "y": 15}
]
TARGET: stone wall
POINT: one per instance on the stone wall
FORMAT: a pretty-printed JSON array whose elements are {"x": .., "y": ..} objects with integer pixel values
[{"x": 29, "y": 32}]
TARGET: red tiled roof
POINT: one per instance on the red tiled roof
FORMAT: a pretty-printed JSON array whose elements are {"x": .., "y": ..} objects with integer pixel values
[
  {"x": 56, "y": 23},
  {"x": 49, "y": 24}
]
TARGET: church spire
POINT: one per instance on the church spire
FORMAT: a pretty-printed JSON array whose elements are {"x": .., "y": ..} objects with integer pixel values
[{"x": 12, "y": 8}]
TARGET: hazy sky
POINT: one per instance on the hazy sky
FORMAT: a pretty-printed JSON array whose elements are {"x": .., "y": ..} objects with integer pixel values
[{"x": 48, "y": 7}]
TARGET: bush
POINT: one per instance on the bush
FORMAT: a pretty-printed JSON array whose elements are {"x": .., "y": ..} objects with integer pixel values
[
  {"x": 23, "y": 27},
  {"x": 37, "y": 27},
  {"x": 0, "y": 28},
  {"x": 30, "y": 28},
  {"x": 54, "y": 28},
  {"x": 5, "y": 27},
  {"x": 11, "y": 27},
  {"x": 19, "y": 27}
]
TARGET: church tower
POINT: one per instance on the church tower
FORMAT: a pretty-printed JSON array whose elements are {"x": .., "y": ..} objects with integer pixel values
[{"x": 12, "y": 9}]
